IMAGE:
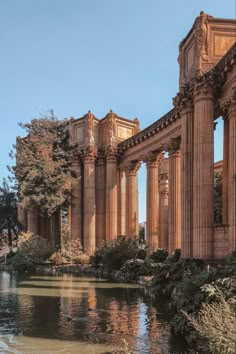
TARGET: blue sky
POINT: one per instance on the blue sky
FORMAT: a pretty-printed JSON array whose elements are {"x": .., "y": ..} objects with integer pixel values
[{"x": 76, "y": 55}]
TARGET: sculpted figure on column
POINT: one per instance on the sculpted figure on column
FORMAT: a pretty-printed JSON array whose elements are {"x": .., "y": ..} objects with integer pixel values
[
  {"x": 200, "y": 27},
  {"x": 111, "y": 122},
  {"x": 89, "y": 128}
]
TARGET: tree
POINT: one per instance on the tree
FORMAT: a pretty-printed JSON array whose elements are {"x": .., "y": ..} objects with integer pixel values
[
  {"x": 43, "y": 167},
  {"x": 8, "y": 212}
]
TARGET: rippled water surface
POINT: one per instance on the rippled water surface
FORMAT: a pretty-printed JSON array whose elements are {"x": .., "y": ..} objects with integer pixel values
[{"x": 42, "y": 314}]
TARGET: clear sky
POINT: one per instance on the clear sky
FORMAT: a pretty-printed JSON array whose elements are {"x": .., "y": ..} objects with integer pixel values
[{"x": 76, "y": 55}]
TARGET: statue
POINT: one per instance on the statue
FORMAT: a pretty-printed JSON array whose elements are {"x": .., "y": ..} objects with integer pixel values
[
  {"x": 89, "y": 128},
  {"x": 111, "y": 127},
  {"x": 201, "y": 35}
]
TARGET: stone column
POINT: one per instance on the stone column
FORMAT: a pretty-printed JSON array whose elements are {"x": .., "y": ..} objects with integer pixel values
[
  {"x": 152, "y": 234},
  {"x": 186, "y": 178},
  {"x": 76, "y": 203},
  {"x": 203, "y": 172},
  {"x": 232, "y": 173},
  {"x": 111, "y": 194},
  {"x": 100, "y": 200},
  {"x": 121, "y": 185},
  {"x": 225, "y": 174},
  {"x": 89, "y": 200},
  {"x": 54, "y": 230},
  {"x": 174, "y": 204},
  {"x": 33, "y": 221},
  {"x": 163, "y": 210},
  {"x": 21, "y": 218},
  {"x": 132, "y": 226}
]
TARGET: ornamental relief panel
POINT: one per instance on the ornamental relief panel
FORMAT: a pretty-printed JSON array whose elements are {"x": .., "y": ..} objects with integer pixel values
[
  {"x": 221, "y": 43},
  {"x": 124, "y": 132},
  {"x": 79, "y": 133}
]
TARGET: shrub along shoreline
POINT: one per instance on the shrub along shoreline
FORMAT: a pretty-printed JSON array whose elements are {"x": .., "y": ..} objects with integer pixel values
[{"x": 202, "y": 299}]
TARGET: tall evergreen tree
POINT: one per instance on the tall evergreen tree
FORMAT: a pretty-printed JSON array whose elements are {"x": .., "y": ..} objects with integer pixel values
[
  {"x": 8, "y": 212},
  {"x": 43, "y": 165}
]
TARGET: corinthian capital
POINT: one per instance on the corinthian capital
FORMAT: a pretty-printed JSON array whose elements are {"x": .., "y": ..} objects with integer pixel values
[
  {"x": 173, "y": 146},
  {"x": 184, "y": 98},
  {"x": 112, "y": 153},
  {"x": 153, "y": 158},
  {"x": 228, "y": 104},
  {"x": 131, "y": 168},
  {"x": 89, "y": 154}
]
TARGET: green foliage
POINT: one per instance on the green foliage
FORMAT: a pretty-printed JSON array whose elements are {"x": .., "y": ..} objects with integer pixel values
[
  {"x": 8, "y": 213},
  {"x": 138, "y": 267},
  {"x": 216, "y": 321},
  {"x": 117, "y": 252},
  {"x": 33, "y": 246},
  {"x": 231, "y": 258},
  {"x": 175, "y": 256},
  {"x": 97, "y": 258},
  {"x": 32, "y": 249},
  {"x": 22, "y": 262},
  {"x": 159, "y": 255},
  {"x": 218, "y": 197},
  {"x": 43, "y": 167},
  {"x": 141, "y": 234}
]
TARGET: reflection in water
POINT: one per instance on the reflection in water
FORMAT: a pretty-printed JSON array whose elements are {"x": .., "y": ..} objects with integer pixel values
[{"x": 41, "y": 314}]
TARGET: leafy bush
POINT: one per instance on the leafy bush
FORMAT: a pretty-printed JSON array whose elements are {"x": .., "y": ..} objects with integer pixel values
[
  {"x": 138, "y": 267},
  {"x": 117, "y": 252},
  {"x": 32, "y": 249},
  {"x": 159, "y": 255},
  {"x": 22, "y": 262},
  {"x": 170, "y": 273},
  {"x": 231, "y": 258},
  {"x": 175, "y": 256},
  {"x": 97, "y": 258},
  {"x": 216, "y": 321}
]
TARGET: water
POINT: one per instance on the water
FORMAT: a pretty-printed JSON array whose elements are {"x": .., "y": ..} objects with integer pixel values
[{"x": 68, "y": 314}]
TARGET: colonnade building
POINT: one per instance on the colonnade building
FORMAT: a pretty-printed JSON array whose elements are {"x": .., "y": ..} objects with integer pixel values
[{"x": 178, "y": 151}]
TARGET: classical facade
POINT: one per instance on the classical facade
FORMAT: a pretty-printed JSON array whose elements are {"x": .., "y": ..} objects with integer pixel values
[{"x": 178, "y": 150}]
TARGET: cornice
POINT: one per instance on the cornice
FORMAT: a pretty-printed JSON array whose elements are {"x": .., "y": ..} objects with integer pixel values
[{"x": 214, "y": 78}]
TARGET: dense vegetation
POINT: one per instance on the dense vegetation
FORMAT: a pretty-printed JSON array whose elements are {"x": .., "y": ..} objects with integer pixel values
[
  {"x": 43, "y": 168},
  {"x": 8, "y": 214},
  {"x": 202, "y": 299},
  {"x": 31, "y": 250}
]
